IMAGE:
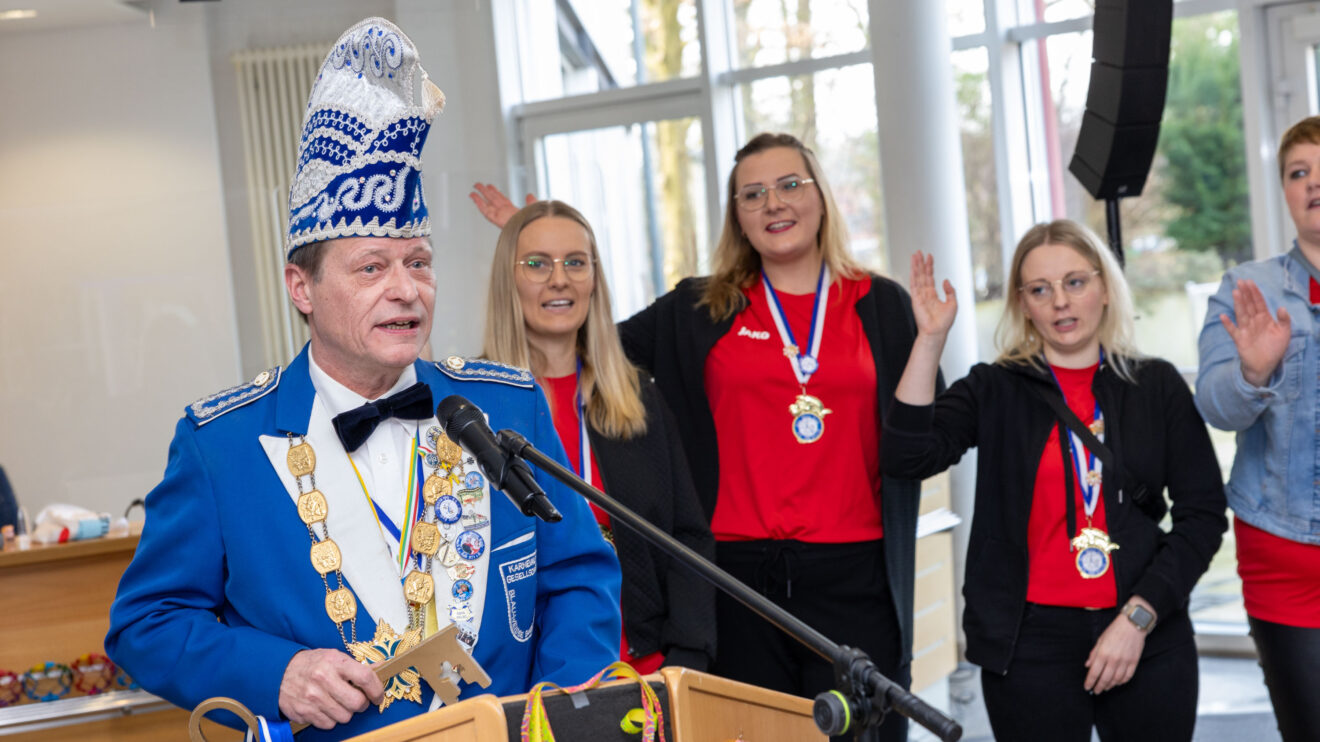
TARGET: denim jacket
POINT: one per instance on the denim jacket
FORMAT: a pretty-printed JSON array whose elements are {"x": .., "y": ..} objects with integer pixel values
[{"x": 1275, "y": 482}]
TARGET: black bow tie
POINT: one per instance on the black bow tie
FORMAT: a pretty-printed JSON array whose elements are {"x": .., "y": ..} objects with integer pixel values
[{"x": 355, "y": 426}]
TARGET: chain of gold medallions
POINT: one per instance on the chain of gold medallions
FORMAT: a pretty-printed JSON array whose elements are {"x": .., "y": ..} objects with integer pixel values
[{"x": 418, "y": 586}]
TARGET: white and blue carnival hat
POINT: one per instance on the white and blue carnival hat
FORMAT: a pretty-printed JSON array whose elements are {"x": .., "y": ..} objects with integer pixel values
[{"x": 359, "y": 170}]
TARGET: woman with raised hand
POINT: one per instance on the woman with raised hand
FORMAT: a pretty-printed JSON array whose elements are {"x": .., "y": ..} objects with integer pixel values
[
  {"x": 1076, "y": 598},
  {"x": 777, "y": 367},
  {"x": 549, "y": 310},
  {"x": 1259, "y": 356}
]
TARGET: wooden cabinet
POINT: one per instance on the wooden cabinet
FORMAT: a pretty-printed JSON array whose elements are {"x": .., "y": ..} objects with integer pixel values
[{"x": 55, "y": 607}]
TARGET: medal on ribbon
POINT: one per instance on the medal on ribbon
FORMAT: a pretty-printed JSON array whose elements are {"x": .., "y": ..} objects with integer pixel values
[
  {"x": 1091, "y": 544},
  {"x": 808, "y": 412}
]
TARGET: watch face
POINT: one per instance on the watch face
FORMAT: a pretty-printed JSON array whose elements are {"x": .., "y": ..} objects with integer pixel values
[{"x": 1141, "y": 617}]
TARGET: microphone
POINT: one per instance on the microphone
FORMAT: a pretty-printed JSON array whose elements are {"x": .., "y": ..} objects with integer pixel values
[{"x": 465, "y": 424}]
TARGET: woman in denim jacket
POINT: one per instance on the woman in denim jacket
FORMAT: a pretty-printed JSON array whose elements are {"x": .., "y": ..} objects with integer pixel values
[{"x": 1260, "y": 377}]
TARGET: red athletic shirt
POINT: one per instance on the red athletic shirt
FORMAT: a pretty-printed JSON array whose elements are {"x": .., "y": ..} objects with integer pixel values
[
  {"x": 1053, "y": 578},
  {"x": 1280, "y": 577},
  {"x": 771, "y": 486},
  {"x": 562, "y": 393}
]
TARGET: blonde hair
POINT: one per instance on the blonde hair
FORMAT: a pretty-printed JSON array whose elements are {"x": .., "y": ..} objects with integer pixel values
[
  {"x": 609, "y": 384},
  {"x": 737, "y": 264},
  {"x": 1306, "y": 131},
  {"x": 1017, "y": 339}
]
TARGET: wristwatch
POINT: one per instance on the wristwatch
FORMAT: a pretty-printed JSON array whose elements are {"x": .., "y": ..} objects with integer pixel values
[{"x": 1139, "y": 616}]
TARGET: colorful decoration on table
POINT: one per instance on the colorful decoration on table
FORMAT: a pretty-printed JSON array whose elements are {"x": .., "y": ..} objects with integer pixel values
[
  {"x": 11, "y": 687},
  {"x": 93, "y": 673},
  {"x": 48, "y": 681}
]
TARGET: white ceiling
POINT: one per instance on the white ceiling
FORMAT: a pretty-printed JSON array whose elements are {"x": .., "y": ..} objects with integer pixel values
[{"x": 60, "y": 14}]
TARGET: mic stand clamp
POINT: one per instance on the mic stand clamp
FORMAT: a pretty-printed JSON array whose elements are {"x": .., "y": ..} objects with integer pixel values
[{"x": 854, "y": 706}]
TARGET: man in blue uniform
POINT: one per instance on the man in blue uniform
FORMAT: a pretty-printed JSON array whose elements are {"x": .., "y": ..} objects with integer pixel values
[{"x": 316, "y": 517}]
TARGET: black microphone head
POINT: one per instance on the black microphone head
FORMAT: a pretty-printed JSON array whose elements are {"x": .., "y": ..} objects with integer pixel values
[{"x": 449, "y": 409}]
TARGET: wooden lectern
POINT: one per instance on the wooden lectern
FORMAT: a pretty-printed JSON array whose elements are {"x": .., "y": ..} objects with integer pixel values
[{"x": 698, "y": 708}]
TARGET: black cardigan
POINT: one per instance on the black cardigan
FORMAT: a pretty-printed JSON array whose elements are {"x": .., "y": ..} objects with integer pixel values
[
  {"x": 1156, "y": 436},
  {"x": 666, "y": 607},
  {"x": 672, "y": 338}
]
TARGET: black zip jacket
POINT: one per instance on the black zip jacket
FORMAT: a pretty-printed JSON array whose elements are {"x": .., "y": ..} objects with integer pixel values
[
  {"x": 666, "y": 606},
  {"x": 1156, "y": 436}
]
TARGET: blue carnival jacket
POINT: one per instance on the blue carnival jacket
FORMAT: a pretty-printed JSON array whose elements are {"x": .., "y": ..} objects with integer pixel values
[
  {"x": 221, "y": 594},
  {"x": 1273, "y": 485}
]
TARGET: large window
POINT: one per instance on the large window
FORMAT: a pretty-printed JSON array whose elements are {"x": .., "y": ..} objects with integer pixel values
[{"x": 635, "y": 111}]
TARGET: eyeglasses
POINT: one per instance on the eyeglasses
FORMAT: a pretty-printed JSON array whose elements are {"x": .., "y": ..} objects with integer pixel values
[
  {"x": 539, "y": 268},
  {"x": 1042, "y": 291},
  {"x": 754, "y": 197}
]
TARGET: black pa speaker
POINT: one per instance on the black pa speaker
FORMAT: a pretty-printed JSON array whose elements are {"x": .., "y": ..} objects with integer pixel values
[{"x": 1125, "y": 101}]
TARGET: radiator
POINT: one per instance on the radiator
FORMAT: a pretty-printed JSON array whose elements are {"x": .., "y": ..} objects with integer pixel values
[{"x": 273, "y": 85}]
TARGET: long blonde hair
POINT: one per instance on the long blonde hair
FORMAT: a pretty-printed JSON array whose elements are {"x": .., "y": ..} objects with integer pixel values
[
  {"x": 609, "y": 384},
  {"x": 737, "y": 264},
  {"x": 1017, "y": 339}
]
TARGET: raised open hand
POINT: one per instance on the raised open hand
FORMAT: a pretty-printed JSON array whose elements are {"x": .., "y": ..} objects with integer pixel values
[
  {"x": 1261, "y": 339},
  {"x": 934, "y": 316},
  {"x": 493, "y": 204}
]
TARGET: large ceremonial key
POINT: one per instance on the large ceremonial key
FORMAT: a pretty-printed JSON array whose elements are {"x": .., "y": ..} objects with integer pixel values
[{"x": 428, "y": 659}]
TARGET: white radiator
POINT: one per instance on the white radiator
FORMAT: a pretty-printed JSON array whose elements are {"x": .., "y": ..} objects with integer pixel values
[{"x": 273, "y": 85}]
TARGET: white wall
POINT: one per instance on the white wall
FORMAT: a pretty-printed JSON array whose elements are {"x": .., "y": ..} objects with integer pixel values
[
  {"x": 129, "y": 289},
  {"x": 116, "y": 308}
]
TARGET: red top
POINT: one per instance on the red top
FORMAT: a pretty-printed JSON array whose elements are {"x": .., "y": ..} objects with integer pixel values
[
  {"x": 771, "y": 486},
  {"x": 562, "y": 394},
  {"x": 1053, "y": 577},
  {"x": 1280, "y": 577}
]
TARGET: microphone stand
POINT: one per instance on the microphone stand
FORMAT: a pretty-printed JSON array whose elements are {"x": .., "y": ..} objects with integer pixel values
[{"x": 863, "y": 695}]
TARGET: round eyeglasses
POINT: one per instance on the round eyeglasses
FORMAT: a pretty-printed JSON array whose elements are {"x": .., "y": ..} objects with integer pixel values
[
  {"x": 539, "y": 268},
  {"x": 754, "y": 197},
  {"x": 1041, "y": 291}
]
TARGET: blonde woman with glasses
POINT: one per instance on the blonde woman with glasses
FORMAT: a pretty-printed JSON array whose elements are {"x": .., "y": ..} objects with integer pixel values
[
  {"x": 777, "y": 367},
  {"x": 1076, "y": 597},
  {"x": 549, "y": 310}
]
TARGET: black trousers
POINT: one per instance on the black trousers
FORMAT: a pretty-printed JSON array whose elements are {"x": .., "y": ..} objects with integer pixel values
[
  {"x": 1042, "y": 696},
  {"x": 840, "y": 590},
  {"x": 1290, "y": 657}
]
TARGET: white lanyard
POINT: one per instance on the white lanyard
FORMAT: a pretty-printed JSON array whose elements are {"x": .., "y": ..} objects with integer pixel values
[{"x": 803, "y": 364}]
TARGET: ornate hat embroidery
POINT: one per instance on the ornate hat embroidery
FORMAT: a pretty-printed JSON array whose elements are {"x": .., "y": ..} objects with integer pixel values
[{"x": 359, "y": 169}]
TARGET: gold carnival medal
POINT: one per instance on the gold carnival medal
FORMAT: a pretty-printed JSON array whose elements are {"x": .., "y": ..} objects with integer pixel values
[
  {"x": 1093, "y": 547},
  {"x": 426, "y": 538},
  {"x": 340, "y": 605},
  {"x": 435, "y": 487},
  {"x": 301, "y": 460},
  {"x": 312, "y": 507},
  {"x": 419, "y": 587},
  {"x": 808, "y": 418},
  {"x": 384, "y": 645},
  {"x": 448, "y": 451},
  {"x": 326, "y": 557}
]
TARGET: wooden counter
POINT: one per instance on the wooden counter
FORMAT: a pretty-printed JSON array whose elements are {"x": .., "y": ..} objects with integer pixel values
[
  {"x": 56, "y": 600},
  {"x": 55, "y": 607}
]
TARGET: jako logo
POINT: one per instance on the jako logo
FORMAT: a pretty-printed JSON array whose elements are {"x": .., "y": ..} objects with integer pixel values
[{"x": 753, "y": 334}]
